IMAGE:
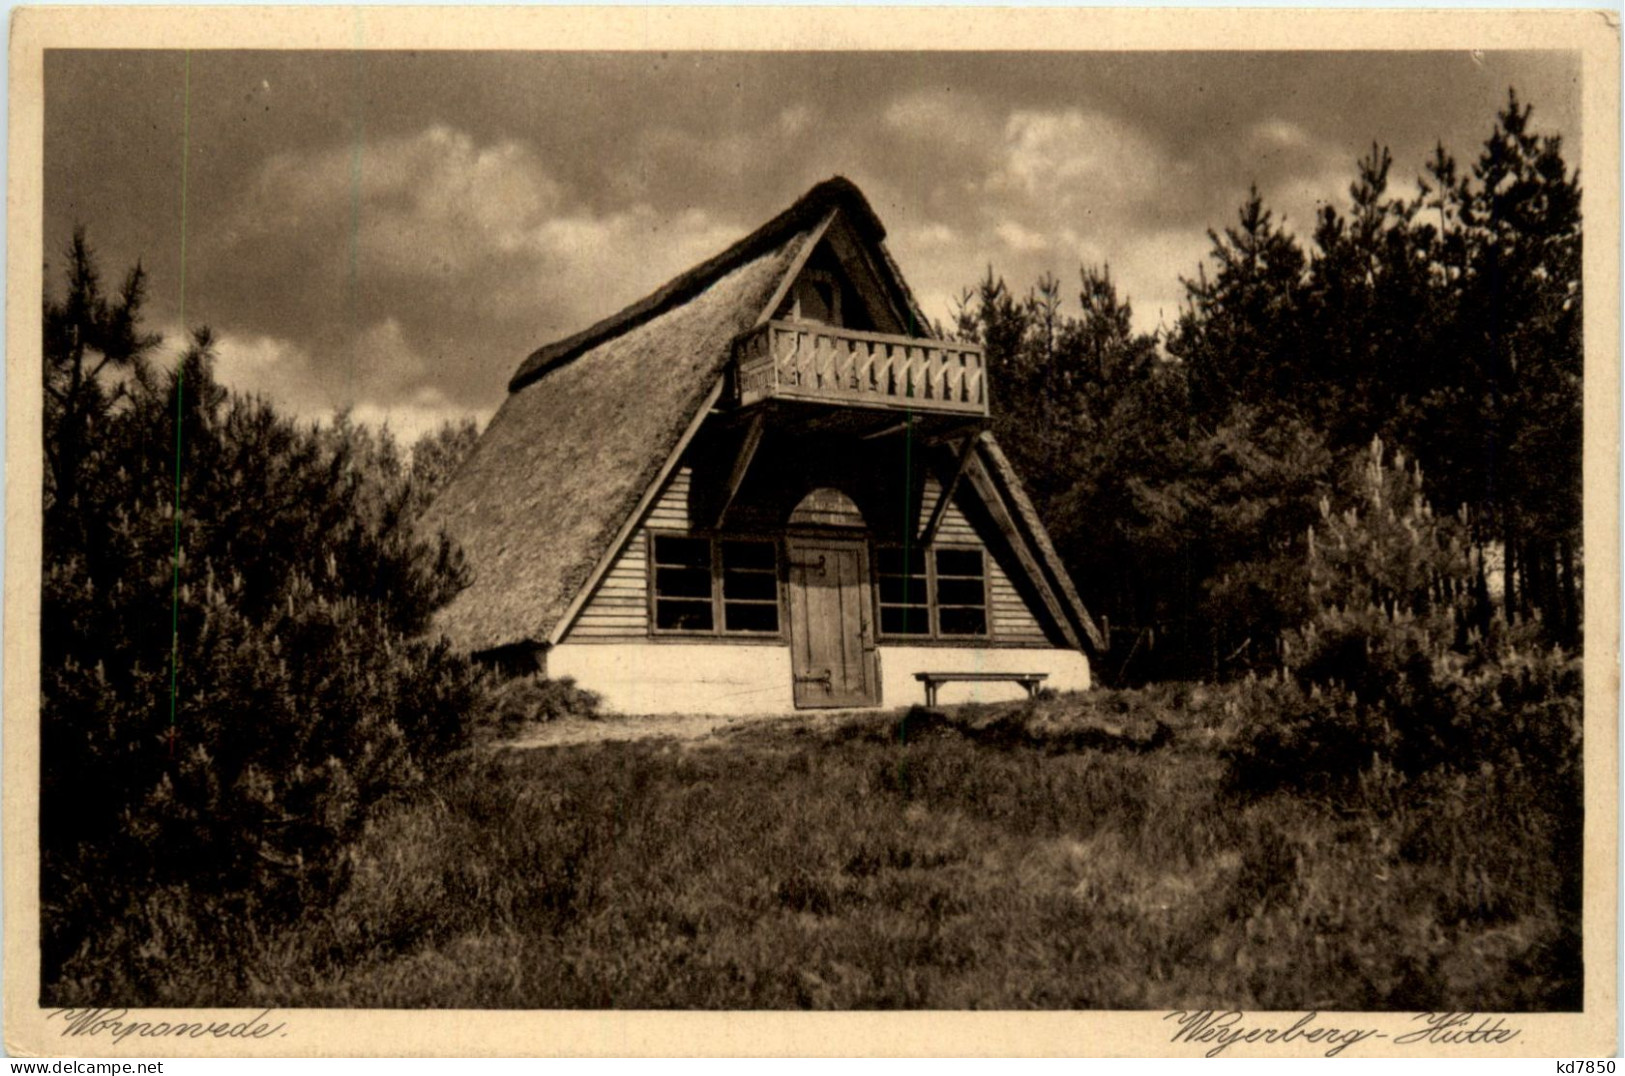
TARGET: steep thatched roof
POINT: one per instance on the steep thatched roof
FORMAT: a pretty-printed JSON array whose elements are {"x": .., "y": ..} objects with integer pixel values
[
  {"x": 585, "y": 431},
  {"x": 590, "y": 421},
  {"x": 838, "y": 192}
]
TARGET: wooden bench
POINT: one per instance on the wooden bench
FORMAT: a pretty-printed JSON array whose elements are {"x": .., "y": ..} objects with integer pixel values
[{"x": 934, "y": 680}]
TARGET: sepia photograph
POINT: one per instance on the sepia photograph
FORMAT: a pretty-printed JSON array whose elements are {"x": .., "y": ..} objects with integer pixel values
[{"x": 807, "y": 527}]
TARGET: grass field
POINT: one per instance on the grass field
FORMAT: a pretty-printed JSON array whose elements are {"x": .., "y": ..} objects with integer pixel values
[{"x": 1078, "y": 852}]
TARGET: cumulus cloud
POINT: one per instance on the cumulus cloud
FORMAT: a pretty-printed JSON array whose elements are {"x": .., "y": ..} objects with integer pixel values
[
  {"x": 386, "y": 384},
  {"x": 635, "y": 245},
  {"x": 1050, "y": 190},
  {"x": 425, "y": 412},
  {"x": 1073, "y": 157},
  {"x": 943, "y": 118},
  {"x": 930, "y": 234},
  {"x": 437, "y": 206},
  {"x": 428, "y": 261},
  {"x": 378, "y": 366},
  {"x": 1053, "y": 189},
  {"x": 262, "y": 365},
  {"x": 420, "y": 205},
  {"x": 1275, "y": 131},
  {"x": 256, "y": 364},
  {"x": 440, "y": 208},
  {"x": 1020, "y": 239}
]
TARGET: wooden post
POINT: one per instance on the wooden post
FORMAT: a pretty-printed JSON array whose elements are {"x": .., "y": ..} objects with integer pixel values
[
  {"x": 993, "y": 500},
  {"x": 941, "y": 508},
  {"x": 747, "y": 452}
]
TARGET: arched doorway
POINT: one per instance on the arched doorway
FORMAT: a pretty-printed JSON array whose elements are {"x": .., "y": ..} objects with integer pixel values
[{"x": 832, "y": 639}]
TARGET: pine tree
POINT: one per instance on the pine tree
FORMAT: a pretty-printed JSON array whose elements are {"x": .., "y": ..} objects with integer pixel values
[
  {"x": 1522, "y": 324},
  {"x": 1369, "y": 308},
  {"x": 86, "y": 334},
  {"x": 436, "y": 456},
  {"x": 1240, "y": 335}
]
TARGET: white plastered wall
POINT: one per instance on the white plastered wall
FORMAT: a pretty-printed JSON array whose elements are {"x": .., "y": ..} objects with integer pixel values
[{"x": 678, "y": 678}]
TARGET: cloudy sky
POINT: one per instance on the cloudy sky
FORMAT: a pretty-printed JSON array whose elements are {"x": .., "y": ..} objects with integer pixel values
[{"x": 396, "y": 231}]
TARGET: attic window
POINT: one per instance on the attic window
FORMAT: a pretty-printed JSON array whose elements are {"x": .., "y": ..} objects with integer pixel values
[
  {"x": 712, "y": 586},
  {"x": 817, "y": 297}
]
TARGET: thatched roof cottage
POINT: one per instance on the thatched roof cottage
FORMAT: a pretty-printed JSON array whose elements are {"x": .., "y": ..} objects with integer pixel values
[{"x": 764, "y": 487}]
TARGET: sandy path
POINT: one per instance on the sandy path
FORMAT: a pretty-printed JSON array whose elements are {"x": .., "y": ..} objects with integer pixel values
[{"x": 619, "y": 727}]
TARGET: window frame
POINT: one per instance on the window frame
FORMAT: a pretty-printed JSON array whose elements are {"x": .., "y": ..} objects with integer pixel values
[
  {"x": 881, "y": 605},
  {"x": 935, "y": 634},
  {"x": 937, "y": 605},
  {"x": 718, "y": 631}
]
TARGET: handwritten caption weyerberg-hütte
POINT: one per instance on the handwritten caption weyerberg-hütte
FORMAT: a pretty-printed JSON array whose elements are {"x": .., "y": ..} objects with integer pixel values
[{"x": 1220, "y": 1030}]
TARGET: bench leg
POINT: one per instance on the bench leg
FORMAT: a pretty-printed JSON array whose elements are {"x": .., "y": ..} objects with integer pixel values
[{"x": 931, "y": 693}]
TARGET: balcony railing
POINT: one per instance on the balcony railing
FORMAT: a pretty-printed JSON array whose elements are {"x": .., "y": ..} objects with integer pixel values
[{"x": 798, "y": 360}]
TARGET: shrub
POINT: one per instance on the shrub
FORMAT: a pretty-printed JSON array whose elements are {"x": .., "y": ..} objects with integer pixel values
[
  {"x": 233, "y": 675},
  {"x": 533, "y": 700},
  {"x": 1403, "y": 662},
  {"x": 1305, "y": 739}
]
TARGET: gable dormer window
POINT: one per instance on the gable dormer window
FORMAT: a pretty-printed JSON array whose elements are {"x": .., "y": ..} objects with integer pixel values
[
  {"x": 816, "y": 297},
  {"x": 822, "y": 301}
]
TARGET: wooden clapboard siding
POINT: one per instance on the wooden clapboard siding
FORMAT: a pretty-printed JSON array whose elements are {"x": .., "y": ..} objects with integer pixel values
[
  {"x": 955, "y": 528},
  {"x": 670, "y": 511},
  {"x": 619, "y": 608},
  {"x": 1013, "y": 620}
]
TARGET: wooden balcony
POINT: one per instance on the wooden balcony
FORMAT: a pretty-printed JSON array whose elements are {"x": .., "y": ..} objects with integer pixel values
[{"x": 805, "y": 361}]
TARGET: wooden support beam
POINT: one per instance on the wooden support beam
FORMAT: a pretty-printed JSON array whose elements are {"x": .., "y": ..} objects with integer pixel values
[
  {"x": 885, "y": 431},
  {"x": 726, "y": 420},
  {"x": 1042, "y": 545},
  {"x": 798, "y": 263},
  {"x": 982, "y": 482},
  {"x": 920, "y": 419},
  {"x": 949, "y": 436},
  {"x": 748, "y": 445},
  {"x": 948, "y": 489}
]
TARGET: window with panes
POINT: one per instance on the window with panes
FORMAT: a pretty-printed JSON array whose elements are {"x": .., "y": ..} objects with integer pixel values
[
  {"x": 713, "y": 585},
  {"x": 934, "y": 593}
]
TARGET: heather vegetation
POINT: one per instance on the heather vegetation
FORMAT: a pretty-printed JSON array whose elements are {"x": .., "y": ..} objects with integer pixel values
[
  {"x": 1085, "y": 851},
  {"x": 1332, "y": 517}
]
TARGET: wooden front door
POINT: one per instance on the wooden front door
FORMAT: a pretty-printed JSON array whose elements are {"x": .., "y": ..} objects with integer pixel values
[{"x": 831, "y": 643}]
